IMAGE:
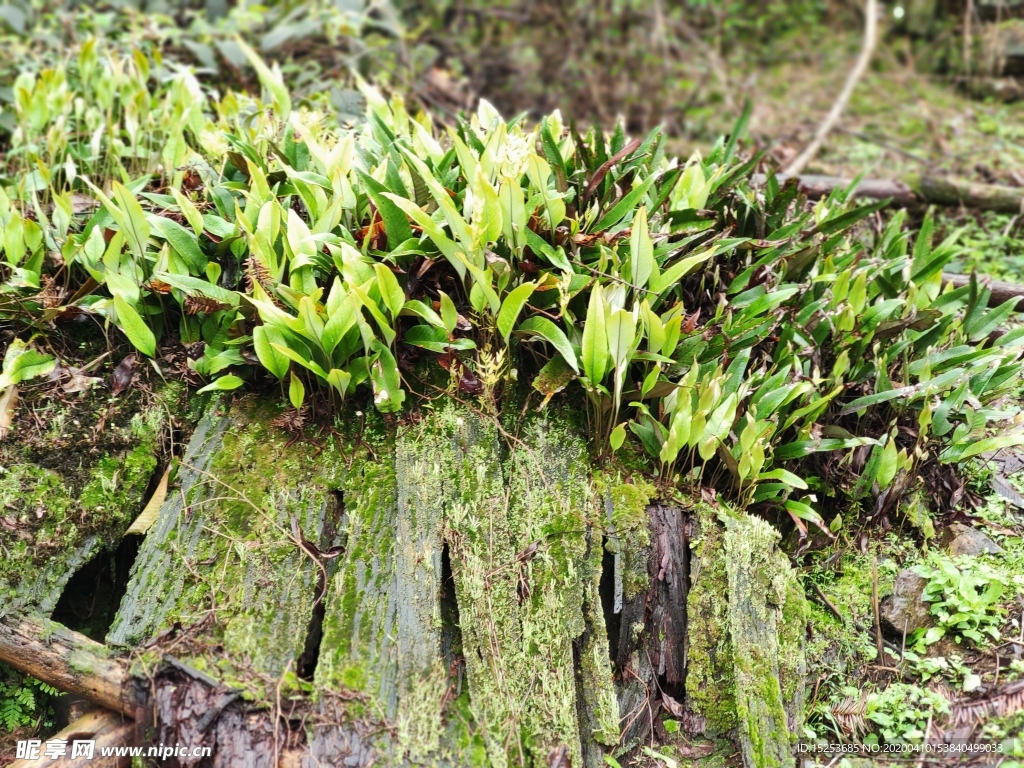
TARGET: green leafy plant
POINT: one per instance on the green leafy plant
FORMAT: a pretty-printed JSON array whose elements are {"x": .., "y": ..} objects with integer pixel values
[
  {"x": 965, "y": 597},
  {"x": 19, "y": 699},
  {"x": 749, "y": 341},
  {"x": 21, "y": 362},
  {"x": 902, "y": 711}
]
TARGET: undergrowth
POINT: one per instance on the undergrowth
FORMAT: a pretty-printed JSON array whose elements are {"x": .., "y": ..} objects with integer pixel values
[{"x": 779, "y": 351}]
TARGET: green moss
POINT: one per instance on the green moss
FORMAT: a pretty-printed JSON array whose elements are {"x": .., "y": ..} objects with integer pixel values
[
  {"x": 626, "y": 525},
  {"x": 710, "y": 680},
  {"x": 515, "y": 519},
  {"x": 223, "y": 541},
  {"x": 759, "y": 583},
  {"x": 64, "y": 512},
  {"x": 747, "y": 622}
]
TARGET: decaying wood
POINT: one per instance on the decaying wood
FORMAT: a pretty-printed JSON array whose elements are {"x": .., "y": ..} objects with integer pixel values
[
  {"x": 105, "y": 728},
  {"x": 463, "y": 561},
  {"x": 175, "y": 705},
  {"x": 970, "y": 194},
  {"x": 925, "y": 189},
  {"x": 816, "y": 187},
  {"x": 66, "y": 660},
  {"x": 1001, "y": 292}
]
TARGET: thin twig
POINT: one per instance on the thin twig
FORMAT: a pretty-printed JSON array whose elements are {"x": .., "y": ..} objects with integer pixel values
[
  {"x": 868, "y": 48},
  {"x": 856, "y": 624},
  {"x": 874, "y": 606}
]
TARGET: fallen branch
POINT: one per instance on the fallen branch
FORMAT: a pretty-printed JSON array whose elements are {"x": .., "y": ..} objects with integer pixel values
[
  {"x": 68, "y": 661},
  {"x": 1001, "y": 292},
  {"x": 915, "y": 189},
  {"x": 867, "y": 49},
  {"x": 969, "y": 194}
]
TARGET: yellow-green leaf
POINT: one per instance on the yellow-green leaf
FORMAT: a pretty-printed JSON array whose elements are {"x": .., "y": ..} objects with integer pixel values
[
  {"x": 296, "y": 392},
  {"x": 149, "y": 514},
  {"x": 134, "y": 327},
  {"x": 512, "y": 306}
]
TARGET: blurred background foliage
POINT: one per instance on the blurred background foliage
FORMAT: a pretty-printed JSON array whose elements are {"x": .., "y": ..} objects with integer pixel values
[
  {"x": 943, "y": 82},
  {"x": 686, "y": 64}
]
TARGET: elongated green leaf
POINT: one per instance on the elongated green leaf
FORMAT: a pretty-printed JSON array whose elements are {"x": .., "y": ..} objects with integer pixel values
[
  {"x": 624, "y": 206},
  {"x": 435, "y": 339},
  {"x": 382, "y": 322},
  {"x": 425, "y": 312},
  {"x": 876, "y": 398},
  {"x": 617, "y": 437},
  {"x": 641, "y": 250},
  {"x": 128, "y": 215},
  {"x": 458, "y": 225},
  {"x": 390, "y": 290},
  {"x": 621, "y": 331},
  {"x": 449, "y": 315},
  {"x": 547, "y": 330},
  {"x": 445, "y": 244},
  {"x": 787, "y": 477},
  {"x": 134, "y": 327},
  {"x": 595, "y": 338},
  {"x": 848, "y": 219},
  {"x": 224, "y": 383},
  {"x": 806, "y": 512},
  {"x": 194, "y": 285},
  {"x": 182, "y": 241},
  {"x": 721, "y": 420},
  {"x": 396, "y": 225},
  {"x": 189, "y": 211},
  {"x": 803, "y": 448},
  {"x": 135, "y": 219},
  {"x": 388, "y": 394},
  {"x": 340, "y": 380},
  {"x": 511, "y": 307},
  {"x": 992, "y": 444},
  {"x": 263, "y": 338},
  {"x": 296, "y": 392},
  {"x": 270, "y": 78},
  {"x": 291, "y": 354},
  {"x": 342, "y": 318},
  {"x": 22, "y": 363},
  {"x": 679, "y": 270}
]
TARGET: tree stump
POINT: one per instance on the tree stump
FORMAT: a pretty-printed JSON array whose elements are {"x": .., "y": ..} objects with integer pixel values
[{"x": 459, "y": 589}]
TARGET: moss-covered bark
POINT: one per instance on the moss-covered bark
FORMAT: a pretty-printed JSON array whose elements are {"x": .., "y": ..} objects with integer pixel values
[
  {"x": 506, "y": 658},
  {"x": 745, "y": 655},
  {"x": 70, "y": 488},
  {"x": 223, "y": 546}
]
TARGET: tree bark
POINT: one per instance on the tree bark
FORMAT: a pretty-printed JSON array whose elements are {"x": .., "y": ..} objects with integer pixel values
[{"x": 449, "y": 590}]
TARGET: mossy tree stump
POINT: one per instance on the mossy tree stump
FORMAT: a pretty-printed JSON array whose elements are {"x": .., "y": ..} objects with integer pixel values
[{"x": 465, "y": 619}]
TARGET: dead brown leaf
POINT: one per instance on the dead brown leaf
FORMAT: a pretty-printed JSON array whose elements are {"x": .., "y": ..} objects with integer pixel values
[
  {"x": 558, "y": 757},
  {"x": 123, "y": 374},
  {"x": 674, "y": 707}
]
